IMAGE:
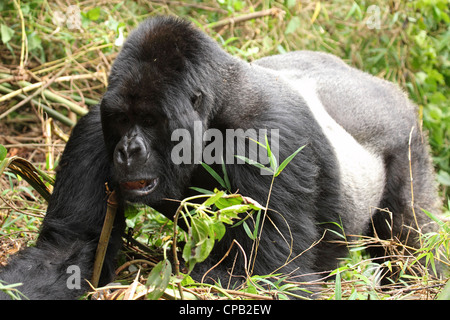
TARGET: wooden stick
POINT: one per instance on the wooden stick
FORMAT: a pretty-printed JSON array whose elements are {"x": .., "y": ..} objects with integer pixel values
[
  {"x": 245, "y": 17},
  {"x": 104, "y": 238}
]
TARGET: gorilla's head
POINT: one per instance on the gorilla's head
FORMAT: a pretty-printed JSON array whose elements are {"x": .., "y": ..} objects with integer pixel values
[{"x": 162, "y": 80}]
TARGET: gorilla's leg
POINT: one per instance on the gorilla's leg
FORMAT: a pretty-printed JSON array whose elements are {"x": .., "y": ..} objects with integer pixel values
[
  {"x": 70, "y": 230},
  {"x": 404, "y": 218}
]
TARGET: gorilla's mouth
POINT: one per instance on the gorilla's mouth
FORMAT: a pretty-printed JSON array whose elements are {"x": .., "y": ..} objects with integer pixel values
[{"x": 140, "y": 187}]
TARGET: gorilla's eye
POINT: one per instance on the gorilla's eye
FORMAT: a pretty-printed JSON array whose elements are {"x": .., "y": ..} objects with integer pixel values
[
  {"x": 149, "y": 121},
  {"x": 121, "y": 118},
  {"x": 196, "y": 99}
]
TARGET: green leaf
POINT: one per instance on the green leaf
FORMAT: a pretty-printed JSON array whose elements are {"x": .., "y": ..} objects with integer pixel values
[
  {"x": 354, "y": 9},
  {"x": 34, "y": 41},
  {"x": 254, "y": 163},
  {"x": 200, "y": 242},
  {"x": 3, "y": 152},
  {"x": 255, "y": 205},
  {"x": 225, "y": 176},
  {"x": 436, "y": 219},
  {"x": 235, "y": 210},
  {"x": 215, "y": 175},
  {"x": 248, "y": 231},
  {"x": 430, "y": 260},
  {"x": 6, "y": 33},
  {"x": 187, "y": 280},
  {"x": 131, "y": 212},
  {"x": 159, "y": 279},
  {"x": 293, "y": 25},
  {"x": 226, "y": 202},
  {"x": 443, "y": 177},
  {"x": 258, "y": 218},
  {"x": 201, "y": 190},
  {"x": 219, "y": 230},
  {"x": 338, "y": 289},
  {"x": 212, "y": 200},
  {"x": 287, "y": 160},
  {"x": 272, "y": 160},
  {"x": 445, "y": 293},
  {"x": 93, "y": 14},
  {"x": 252, "y": 234},
  {"x": 291, "y": 3}
]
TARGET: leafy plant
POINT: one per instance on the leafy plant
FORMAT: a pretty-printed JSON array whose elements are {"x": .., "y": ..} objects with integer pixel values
[{"x": 206, "y": 221}]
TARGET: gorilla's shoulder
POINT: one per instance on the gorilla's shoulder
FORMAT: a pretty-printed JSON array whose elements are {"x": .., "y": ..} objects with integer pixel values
[{"x": 305, "y": 60}]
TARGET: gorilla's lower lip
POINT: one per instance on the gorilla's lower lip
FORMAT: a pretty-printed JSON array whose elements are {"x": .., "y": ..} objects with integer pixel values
[{"x": 140, "y": 187}]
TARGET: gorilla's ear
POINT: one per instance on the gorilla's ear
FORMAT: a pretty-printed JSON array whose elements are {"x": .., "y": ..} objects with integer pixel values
[{"x": 196, "y": 99}]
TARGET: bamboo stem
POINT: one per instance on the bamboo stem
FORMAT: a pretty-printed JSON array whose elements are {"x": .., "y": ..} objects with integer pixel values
[
  {"x": 52, "y": 113},
  {"x": 53, "y": 96},
  {"x": 24, "y": 46},
  {"x": 104, "y": 238}
]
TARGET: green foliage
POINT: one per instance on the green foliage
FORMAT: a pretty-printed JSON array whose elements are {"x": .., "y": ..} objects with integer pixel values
[
  {"x": 224, "y": 182},
  {"x": 206, "y": 221},
  {"x": 260, "y": 285},
  {"x": 11, "y": 291},
  {"x": 205, "y": 225},
  {"x": 6, "y": 33},
  {"x": 3, "y": 152},
  {"x": 445, "y": 293},
  {"x": 273, "y": 168},
  {"x": 359, "y": 276},
  {"x": 149, "y": 226},
  {"x": 158, "y": 279}
]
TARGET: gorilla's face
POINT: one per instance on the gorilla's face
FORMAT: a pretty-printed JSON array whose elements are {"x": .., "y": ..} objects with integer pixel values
[
  {"x": 160, "y": 82},
  {"x": 139, "y": 114}
]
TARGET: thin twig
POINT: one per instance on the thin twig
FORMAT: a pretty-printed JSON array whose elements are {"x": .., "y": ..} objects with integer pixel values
[
  {"x": 53, "y": 113},
  {"x": 246, "y": 17},
  {"x": 256, "y": 243},
  {"x": 174, "y": 245},
  {"x": 45, "y": 84},
  {"x": 42, "y": 85},
  {"x": 226, "y": 255},
  {"x": 24, "y": 36},
  {"x": 129, "y": 263},
  {"x": 301, "y": 253},
  {"x": 411, "y": 178},
  {"x": 12, "y": 206}
]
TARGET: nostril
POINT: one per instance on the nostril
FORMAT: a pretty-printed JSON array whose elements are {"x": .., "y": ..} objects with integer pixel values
[
  {"x": 130, "y": 151},
  {"x": 120, "y": 155},
  {"x": 134, "y": 149}
]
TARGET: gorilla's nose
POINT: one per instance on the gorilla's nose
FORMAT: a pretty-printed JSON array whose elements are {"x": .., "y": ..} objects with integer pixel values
[{"x": 130, "y": 151}]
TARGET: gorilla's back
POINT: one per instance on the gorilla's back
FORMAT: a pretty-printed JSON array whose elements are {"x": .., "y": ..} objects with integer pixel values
[{"x": 367, "y": 107}]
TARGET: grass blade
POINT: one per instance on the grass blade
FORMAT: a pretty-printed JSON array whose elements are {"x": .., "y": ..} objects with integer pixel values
[
  {"x": 287, "y": 160},
  {"x": 215, "y": 175}
]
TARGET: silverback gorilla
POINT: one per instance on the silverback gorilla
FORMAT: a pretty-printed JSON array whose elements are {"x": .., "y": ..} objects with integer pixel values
[{"x": 358, "y": 131}]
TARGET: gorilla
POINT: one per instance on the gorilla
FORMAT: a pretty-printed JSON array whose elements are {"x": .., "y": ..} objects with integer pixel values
[{"x": 363, "y": 145}]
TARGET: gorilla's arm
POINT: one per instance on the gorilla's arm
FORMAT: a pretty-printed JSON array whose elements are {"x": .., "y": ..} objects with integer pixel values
[{"x": 70, "y": 230}]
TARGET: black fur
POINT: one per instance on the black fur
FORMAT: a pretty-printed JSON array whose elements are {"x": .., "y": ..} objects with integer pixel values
[
  {"x": 169, "y": 75},
  {"x": 73, "y": 222}
]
